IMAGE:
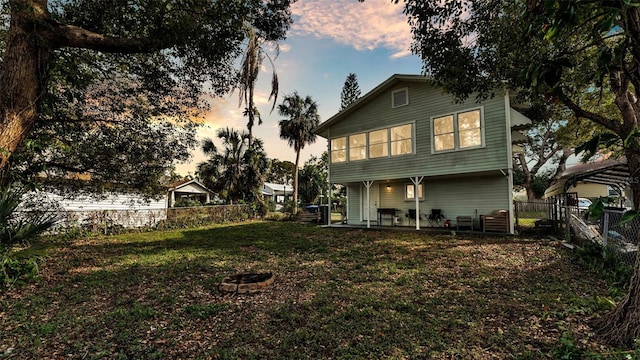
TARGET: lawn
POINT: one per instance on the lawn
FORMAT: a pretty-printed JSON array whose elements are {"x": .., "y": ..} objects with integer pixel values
[{"x": 338, "y": 293}]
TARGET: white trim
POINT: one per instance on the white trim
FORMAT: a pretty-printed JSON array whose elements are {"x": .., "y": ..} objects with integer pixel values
[
  {"x": 366, "y": 146},
  {"x": 393, "y": 92},
  {"x": 346, "y": 149},
  {"x": 366, "y": 133},
  {"x": 416, "y": 182},
  {"x": 507, "y": 110},
  {"x": 415, "y": 190},
  {"x": 367, "y": 209}
]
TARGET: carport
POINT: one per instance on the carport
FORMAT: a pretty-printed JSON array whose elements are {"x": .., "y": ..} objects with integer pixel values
[{"x": 614, "y": 173}]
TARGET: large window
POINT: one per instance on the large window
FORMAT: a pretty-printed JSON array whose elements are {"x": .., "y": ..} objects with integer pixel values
[
  {"x": 378, "y": 143},
  {"x": 470, "y": 134},
  {"x": 339, "y": 149},
  {"x": 457, "y": 131},
  {"x": 397, "y": 140},
  {"x": 443, "y": 133},
  {"x": 358, "y": 147},
  {"x": 401, "y": 140},
  {"x": 410, "y": 192}
]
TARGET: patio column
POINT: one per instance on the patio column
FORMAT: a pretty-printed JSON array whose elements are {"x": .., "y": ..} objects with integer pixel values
[
  {"x": 416, "y": 183},
  {"x": 329, "y": 204},
  {"x": 368, "y": 184}
]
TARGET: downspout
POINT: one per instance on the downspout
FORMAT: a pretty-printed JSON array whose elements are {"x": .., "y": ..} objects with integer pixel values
[{"x": 507, "y": 109}]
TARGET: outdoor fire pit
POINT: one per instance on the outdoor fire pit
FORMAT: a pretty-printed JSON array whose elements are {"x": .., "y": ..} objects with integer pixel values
[{"x": 246, "y": 283}]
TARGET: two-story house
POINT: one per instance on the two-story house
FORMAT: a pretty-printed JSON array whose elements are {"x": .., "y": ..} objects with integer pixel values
[{"x": 407, "y": 152}]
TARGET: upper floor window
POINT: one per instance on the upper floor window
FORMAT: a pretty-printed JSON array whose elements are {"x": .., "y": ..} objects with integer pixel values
[
  {"x": 400, "y": 97},
  {"x": 379, "y": 143},
  {"x": 397, "y": 140},
  {"x": 339, "y": 149},
  {"x": 402, "y": 139},
  {"x": 457, "y": 131},
  {"x": 358, "y": 147}
]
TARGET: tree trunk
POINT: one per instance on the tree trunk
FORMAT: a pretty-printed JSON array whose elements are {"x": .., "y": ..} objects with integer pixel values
[
  {"x": 622, "y": 326},
  {"x": 295, "y": 184},
  {"x": 22, "y": 75},
  {"x": 528, "y": 178}
]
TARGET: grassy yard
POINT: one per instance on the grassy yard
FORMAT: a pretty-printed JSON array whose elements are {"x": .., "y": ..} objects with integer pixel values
[{"x": 339, "y": 294}]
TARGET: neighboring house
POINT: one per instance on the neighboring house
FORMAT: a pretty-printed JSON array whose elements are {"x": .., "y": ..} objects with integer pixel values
[
  {"x": 107, "y": 202},
  {"x": 188, "y": 189},
  {"x": 277, "y": 192},
  {"x": 406, "y": 145},
  {"x": 126, "y": 210}
]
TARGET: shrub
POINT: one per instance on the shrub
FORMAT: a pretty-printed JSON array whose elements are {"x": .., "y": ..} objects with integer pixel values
[
  {"x": 19, "y": 227},
  {"x": 601, "y": 260},
  {"x": 186, "y": 202},
  {"x": 17, "y": 271}
]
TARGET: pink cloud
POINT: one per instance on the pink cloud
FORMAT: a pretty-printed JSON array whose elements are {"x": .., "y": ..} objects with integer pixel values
[{"x": 364, "y": 26}]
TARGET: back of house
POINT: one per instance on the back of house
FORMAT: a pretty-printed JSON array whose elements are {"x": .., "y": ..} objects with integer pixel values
[{"x": 406, "y": 151}]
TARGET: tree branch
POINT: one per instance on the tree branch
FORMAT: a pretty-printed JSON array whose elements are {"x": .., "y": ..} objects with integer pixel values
[
  {"x": 77, "y": 37},
  {"x": 608, "y": 123}
]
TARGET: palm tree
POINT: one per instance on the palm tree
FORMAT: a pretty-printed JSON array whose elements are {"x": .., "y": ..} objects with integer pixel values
[
  {"x": 238, "y": 170},
  {"x": 297, "y": 129}
]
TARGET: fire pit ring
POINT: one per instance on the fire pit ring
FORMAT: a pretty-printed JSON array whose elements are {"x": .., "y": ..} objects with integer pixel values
[{"x": 246, "y": 283}]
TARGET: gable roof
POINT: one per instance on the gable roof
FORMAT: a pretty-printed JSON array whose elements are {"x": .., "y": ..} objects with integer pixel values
[
  {"x": 323, "y": 128},
  {"x": 176, "y": 186}
]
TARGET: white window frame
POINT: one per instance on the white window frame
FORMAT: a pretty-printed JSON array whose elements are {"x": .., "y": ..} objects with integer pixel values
[
  {"x": 456, "y": 131},
  {"x": 413, "y": 139},
  {"x": 386, "y": 143},
  {"x": 346, "y": 150},
  {"x": 420, "y": 192},
  {"x": 393, "y": 98},
  {"x": 364, "y": 146}
]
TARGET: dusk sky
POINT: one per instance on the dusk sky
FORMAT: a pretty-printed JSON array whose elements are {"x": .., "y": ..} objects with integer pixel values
[{"x": 328, "y": 40}]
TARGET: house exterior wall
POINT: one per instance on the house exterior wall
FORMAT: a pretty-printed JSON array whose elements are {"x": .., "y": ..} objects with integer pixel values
[
  {"x": 453, "y": 195},
  {"x": 126, "y": 210},
  {"x": 590, "y": 190},
  {"x": 108, "y": 202},
  {"x": 425, "y": 102}
]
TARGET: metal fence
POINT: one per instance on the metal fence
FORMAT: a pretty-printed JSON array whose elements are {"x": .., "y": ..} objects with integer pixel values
[
  {"x": 544, "y": 217},
  {"x": 539, "y": 216},
  {"x": 619, "y": 239}
]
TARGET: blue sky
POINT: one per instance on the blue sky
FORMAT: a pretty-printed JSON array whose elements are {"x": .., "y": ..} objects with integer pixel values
[{"x": 328, "y": 40}]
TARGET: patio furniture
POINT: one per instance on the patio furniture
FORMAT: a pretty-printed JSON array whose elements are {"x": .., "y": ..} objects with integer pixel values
[
  {"x": 387, "y": 211},
  {"x": 498, "y": 220},
  {"x": 435, "y": 218},
  {"x": 464, "y": 222}
]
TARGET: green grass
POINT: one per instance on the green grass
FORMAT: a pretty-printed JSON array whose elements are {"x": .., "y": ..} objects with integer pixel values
[{"x": 340, "y": 294}]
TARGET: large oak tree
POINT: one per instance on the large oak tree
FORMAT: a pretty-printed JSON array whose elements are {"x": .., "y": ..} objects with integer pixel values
[
  {"x": 191, "y": 43},
  {"x": 563, "y": 50}
]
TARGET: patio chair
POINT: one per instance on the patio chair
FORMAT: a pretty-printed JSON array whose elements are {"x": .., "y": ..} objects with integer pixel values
[
  {"x": 411, "y": 215},
  {"x": 435, "y": 218}
]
